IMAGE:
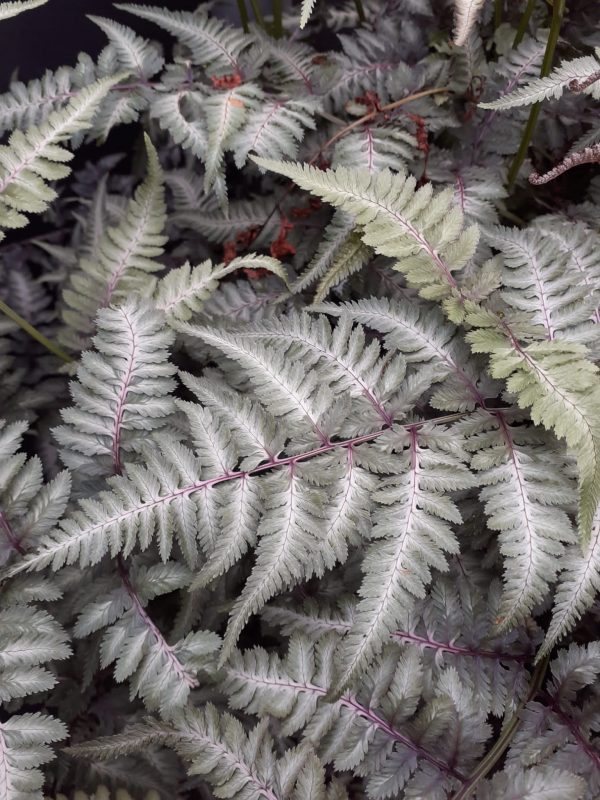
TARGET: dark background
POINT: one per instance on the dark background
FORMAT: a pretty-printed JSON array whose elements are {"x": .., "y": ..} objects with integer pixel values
[{"x": 53, "y": 35}]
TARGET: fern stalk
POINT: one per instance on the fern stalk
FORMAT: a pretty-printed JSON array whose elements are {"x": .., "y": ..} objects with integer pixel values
[
  {"x": 523, "y": 23},
  {"x": 454, "y": 649},
  {"x": 34, "y": 333},
  {"x": 360, "y": 11},
  {"x": 244, "y": 18},
  {"x": 277, "y": 19},
  {"x": 558, "y": 10}
]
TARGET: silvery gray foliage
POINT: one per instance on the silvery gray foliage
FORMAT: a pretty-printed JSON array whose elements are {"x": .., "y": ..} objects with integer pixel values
[{"x": 300, "y": 450}]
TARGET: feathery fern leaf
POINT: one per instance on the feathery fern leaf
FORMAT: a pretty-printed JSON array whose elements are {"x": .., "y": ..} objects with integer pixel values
[
  {"x": 578, "y": 585},
  {"x": 183, "y": 291},
  {"x": 123, "y": 390},
  {"x": 25, "y": 744},
  {"x": 126, "y": 257},
  {"x": 33, "y": 157},
  {"x": 411, "y": 533},
  {"x": 467, "y": 13},
  {"x": 28, "y": 508},
  {"x": 211, "y": 42},
  {"x": 422, "y": 231},
  {"x": 552, "y": 86},
  {"x": 525, "y": 493},
  {"x": 11, "y": 9},
  {"x": 160, "y": 673},
  {"x": 306, "y": 11},
  {"x": 275, "y": 128},
  {"x": 135, "y": 55},
  {"x": 541, "y": 377}
]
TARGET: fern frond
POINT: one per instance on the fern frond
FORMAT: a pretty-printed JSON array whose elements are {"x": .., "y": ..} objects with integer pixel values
[
  {"x": 11, "y": 9},
  {"x": 374, "y": 729},
  {"x": 535, "y": 783},
  {"x": 525, "y": 493},
  {"x": 413, "y": 533},
  {"x": 30, "y": 638},
  {"x": 423, "y": 231},
  {"x": 25, "y": 746},
  {"x": 423, "y": 337},
  {"x": 172, "y": 111},
  {"x": 374, "y": 148},
  {"x": 28, "y": 104},
  {"x": 578, "y": 585},
  {"x": 28, "y": 507},
  {"x": 467, "y": 12},
  {"x": 541, "y": 376},
  {"x": 284, "y": 387},
  {"x": 306, "y": 11},
  {"x": 211, "y": 42},
  {"x": 123, "y": 391},
  {"x": 225, "y": 112},
  {"x": 161, "y": 674},
  {"x": 135, "y": 55},
  {"x": 289, "y": 63},
  {"x": 538, "y": 282},
  {"x": 346, "y": 362},
  {"x": 578, "y": 70},
  {"x": 33, "y": 157},
  {"x": 276, "y": 129},
  {"x": 183, "y": 291},
  {"x": 351, "y": 257},
  {"x": 126, "y": 257},
  {"x": 337, "y": 234}
]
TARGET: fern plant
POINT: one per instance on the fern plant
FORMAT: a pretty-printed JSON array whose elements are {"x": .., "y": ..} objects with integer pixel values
[{"x": 300, "y": 451}]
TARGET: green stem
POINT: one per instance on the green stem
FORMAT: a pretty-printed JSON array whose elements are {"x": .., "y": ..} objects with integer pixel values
[
  {"x": 360, "y": 11},
  {"x": 523, "y": 23},
  {"x": 487, "y": 764},
  {"x": 498, "y": 9},
  {"x": 258, "y": 14},
  {"x": 558, "y": 10},
  {"x": 277, "y": 19},
  {"x": 244, "y": 18},
  {"x": 34, "y": 333}
]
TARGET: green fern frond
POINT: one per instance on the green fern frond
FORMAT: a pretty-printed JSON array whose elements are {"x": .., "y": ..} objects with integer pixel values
[
  {"x": 562, "y": 389},
  {"x": 36, "y": 156},
  {"x": 421, "y": 230}
]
